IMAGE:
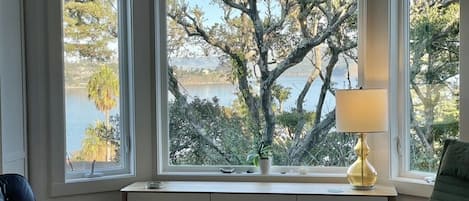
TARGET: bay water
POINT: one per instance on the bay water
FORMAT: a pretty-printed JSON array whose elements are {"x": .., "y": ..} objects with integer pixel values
[{"x": 81, "y": 112}]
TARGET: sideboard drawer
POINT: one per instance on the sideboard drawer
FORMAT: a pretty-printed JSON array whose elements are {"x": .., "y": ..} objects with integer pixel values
[
  {"x": 250, "y": 197},
  {"x": 339, "y": 198},
  {"x": 168, "y": 196}
]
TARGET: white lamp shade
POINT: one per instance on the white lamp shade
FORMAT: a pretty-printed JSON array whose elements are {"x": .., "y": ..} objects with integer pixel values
[{"x": 362, "y": 111}]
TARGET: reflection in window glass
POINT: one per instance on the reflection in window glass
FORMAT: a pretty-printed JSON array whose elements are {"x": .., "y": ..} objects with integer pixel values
[
  {"x": 433, "y": 80},
  {"x": 251, "y": 74},
  {"x": 91, "y": 70}
]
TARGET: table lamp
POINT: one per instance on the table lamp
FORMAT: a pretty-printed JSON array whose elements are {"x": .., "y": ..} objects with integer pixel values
[{"x": 362, "y": 111}]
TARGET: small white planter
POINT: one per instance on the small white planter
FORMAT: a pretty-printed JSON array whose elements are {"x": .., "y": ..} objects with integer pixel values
[{"x": 264, "y": 165}]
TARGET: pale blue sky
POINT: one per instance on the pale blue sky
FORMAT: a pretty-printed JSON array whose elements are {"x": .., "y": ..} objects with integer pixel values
[{"x": 214, "y": 13}]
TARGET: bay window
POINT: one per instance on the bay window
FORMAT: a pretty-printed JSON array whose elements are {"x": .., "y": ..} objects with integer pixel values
[
  {"x": 230, "y": 76},
  {"x": 242, "y": 74}
]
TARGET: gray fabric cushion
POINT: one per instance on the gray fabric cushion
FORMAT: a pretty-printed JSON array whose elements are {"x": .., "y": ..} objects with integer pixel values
[
  {"x": 449, "y": 188},
  {"x": 452, "y": 180},
  {"x": 455, "y": 161}
]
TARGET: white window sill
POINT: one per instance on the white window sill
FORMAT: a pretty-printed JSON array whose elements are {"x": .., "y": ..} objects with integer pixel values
[
  {"x": 287, "y": 188},
  {"x": 91, "y": 185},
  {"x": 411, "y": 186},
  {"x": 407, "y": 186},
  {"x": 253, "y": 177},
  {"x": 97, "y": 177}
]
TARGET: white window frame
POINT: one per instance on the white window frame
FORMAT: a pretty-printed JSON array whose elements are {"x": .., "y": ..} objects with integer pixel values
[
  {"x": 403, "y": 101},
  {"x": 123, "y": 104},
  {"x": 406, "y": 181},
  {"x": 187, "y": 172},
  {"x": 138, "y": 92},
  {"x": 404, "y": 104},
  {"x": 126, "y": 160}
]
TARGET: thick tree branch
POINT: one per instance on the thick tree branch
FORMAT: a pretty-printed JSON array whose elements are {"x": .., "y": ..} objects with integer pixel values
[
  {"x": 199, "y": 31},
  {"x": 446, "y": 3},
  {"x": 241, "y": 7},
  {"x": 297, "y": 55},
  {"x": 326, "y": 85},
  {"x": 418, "y": 130},
  {"x": 300, "y": 149}
]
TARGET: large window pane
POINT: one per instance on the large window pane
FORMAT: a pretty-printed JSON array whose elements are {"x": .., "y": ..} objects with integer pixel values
[
  {"x": 433, "y": 80},
  {"x": 245, "y": 73},
  {"x": 92, "y": 86}
]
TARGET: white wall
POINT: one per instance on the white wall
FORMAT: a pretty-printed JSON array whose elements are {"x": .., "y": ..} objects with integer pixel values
[
  {"x": 12, "y": 89},
  {"x": 375, "y": 63}
]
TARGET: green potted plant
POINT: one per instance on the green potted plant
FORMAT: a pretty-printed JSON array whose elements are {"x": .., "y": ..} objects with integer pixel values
[{"x": 262, "y": 157}]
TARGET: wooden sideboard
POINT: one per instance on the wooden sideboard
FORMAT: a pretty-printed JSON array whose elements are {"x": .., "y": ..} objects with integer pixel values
[{"x": 254, "y": 191}]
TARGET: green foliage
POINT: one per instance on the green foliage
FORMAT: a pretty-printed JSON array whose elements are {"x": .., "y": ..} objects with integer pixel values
[
  {"x": 336, "y": 149},
  {"x": 195, "y": 76},
  {"x": 98, "y": 139},
  {"x": 263, "y": 151},
  {"x": 289, "y": 120},
  {"x": 434, "y": 37},
  {"x": 281, "y": 94},
  {"x": 92, "y": 147},
  {"x": 89, "y": 27},
  {"x": 421, "y": 160},
  {"x": 204, "y": 133}
]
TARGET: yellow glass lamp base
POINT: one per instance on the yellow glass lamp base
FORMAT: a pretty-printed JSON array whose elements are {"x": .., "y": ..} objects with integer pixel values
[{"x": 361, "y": 174}]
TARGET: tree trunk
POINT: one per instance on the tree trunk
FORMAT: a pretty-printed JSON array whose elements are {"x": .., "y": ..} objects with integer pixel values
[
  {"x": 249, "y": 100},
  {"x": 317, "y": 66},
  {"x": 108, "y": 142},
  {"x": 269, "y": 116},
  {"x": 326, "y": 85}
]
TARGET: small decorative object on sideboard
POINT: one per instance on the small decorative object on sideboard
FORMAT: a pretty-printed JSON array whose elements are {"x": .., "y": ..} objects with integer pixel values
[
  {"x": 227, "y": 170},
  {"x": 262, "y": 157},
  {"x": 154, "y": 185}
]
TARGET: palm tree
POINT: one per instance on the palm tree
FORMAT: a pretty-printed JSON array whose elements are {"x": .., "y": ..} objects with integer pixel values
[
  {"x": 281, "y": 94},
  {"x": 103, "y": 90}
]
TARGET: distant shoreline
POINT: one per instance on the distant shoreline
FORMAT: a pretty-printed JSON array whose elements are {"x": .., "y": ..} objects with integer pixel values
[
  {"x": 74, "y": 87},
  {"x": 206, "y": 83},
  {"x": 200, "y": 82},
  {"x": 183, "y": 83}
]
